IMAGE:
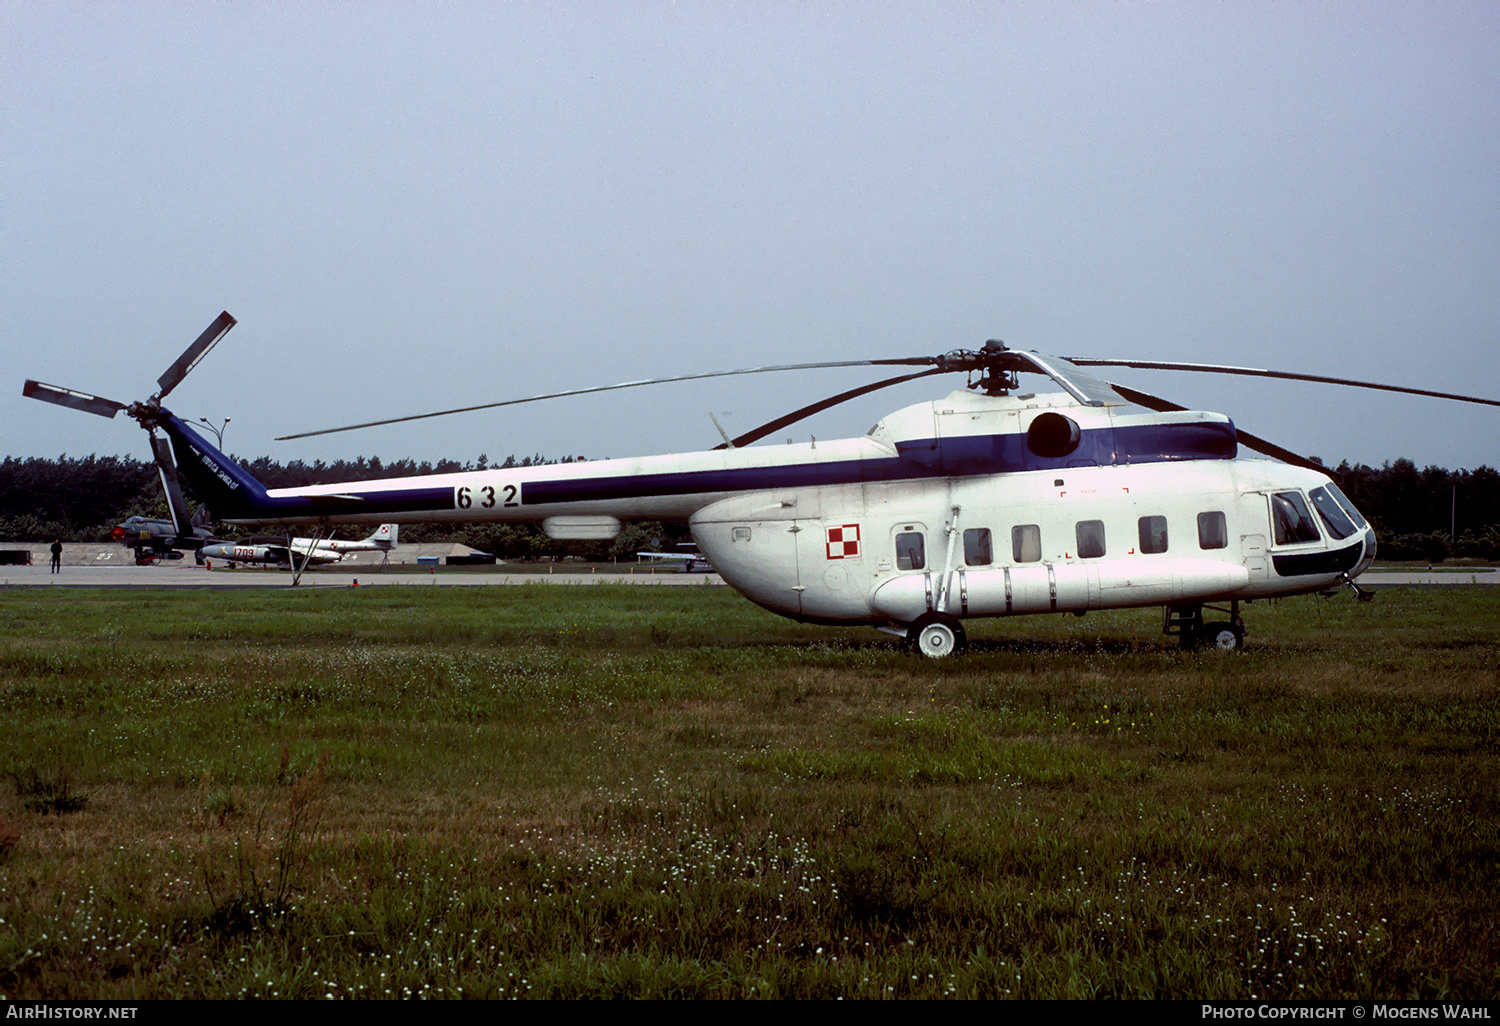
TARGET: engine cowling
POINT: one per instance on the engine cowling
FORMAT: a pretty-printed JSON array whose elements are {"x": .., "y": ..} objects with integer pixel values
[{"x": 1053, "y": 435}]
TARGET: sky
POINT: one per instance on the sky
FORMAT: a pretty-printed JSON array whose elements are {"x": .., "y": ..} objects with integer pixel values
[{"x": 417, "y": 206}]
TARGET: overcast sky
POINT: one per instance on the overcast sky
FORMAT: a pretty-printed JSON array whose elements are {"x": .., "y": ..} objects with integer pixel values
[{"x": 415, "y": 206}]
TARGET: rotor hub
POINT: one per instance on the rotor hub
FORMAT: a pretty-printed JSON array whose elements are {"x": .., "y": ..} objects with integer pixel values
[
  {"x": 147, "y": 414},
  {"x": 994, "y": 364}
]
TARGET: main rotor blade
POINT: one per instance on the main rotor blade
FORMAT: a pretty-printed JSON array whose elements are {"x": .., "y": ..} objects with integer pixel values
[
  {"x": 1249, "y": 441},
  {"x": 68, "y": 397},
  {"x": 1086, "y": 388},
  {"x": 605, "y": 388},
  {"x": 765, "y": 429},
  {"x": 1256, "y": 372},
  {"x": 193, "y": 353}
]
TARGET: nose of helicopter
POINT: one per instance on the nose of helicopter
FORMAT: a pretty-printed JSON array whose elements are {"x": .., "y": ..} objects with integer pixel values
[{"x": 1369, "y": 554}]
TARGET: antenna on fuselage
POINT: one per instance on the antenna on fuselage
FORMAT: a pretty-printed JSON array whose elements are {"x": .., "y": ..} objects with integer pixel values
[{"x": 722, "y": 433}]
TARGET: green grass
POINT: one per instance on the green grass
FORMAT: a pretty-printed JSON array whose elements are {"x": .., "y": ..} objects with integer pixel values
[{"x": 664, "y": 792}]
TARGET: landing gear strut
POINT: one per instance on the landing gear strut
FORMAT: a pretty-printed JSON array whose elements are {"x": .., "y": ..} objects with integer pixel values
[{"x": 1188, "y": 624}]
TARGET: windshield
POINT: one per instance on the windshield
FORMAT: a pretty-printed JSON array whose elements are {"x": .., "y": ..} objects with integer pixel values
[
  {"x": 1343, "y": 500},
  {"x": 1338, "y": 523}
]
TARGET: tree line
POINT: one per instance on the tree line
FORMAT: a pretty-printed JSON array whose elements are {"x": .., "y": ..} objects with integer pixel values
[{"x": 1429, "y": 514}]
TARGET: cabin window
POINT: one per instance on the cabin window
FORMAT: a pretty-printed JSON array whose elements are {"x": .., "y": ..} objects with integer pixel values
[
  {"x": 1026, "y": 543},
  {"x": 1090, "y": 539},
  {"x": 978, "y": 549},
  {"x": 1332, "y": 514},
  {"x": 1291, "y": 520},
  {"x": 1153, "y": 534},
  {"x": 911, "y": 553},
  {"x": 1212, "y": 531}
]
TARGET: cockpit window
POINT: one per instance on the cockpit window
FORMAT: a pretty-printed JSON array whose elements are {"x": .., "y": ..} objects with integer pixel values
[
  {"x": 1343, "y": 500},
  {"x": 1292, "y": 521},
  {"x": 1338, "y": 523}
]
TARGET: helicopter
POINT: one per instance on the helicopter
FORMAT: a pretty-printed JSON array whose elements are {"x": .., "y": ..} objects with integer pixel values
[{"x": 989, "y": 502}]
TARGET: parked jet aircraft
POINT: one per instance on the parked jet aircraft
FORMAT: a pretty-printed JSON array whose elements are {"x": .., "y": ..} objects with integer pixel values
[
  {"x": 162, "y": 539},
  {"x": 311, "y": 551},
  {"x": 690, "y": 559}
]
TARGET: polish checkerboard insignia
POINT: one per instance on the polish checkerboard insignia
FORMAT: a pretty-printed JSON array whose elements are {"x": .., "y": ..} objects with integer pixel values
[{"x": 843, "y": 542}]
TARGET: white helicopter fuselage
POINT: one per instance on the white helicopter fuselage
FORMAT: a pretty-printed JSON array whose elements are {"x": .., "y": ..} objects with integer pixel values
[
  {"x": 1044, "y": 541},
  {"x": 969, "y": 506}
]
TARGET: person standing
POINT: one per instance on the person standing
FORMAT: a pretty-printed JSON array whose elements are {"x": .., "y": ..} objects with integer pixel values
[{"x": 57, "y": 556}]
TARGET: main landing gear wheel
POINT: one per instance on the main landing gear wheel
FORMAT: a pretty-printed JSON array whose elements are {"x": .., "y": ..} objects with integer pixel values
[
  {"x": 936, "y": 636},
  {"x": 1225, "y": 637}
]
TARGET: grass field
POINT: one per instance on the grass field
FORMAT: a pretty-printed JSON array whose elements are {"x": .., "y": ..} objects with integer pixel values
[{"x": 555, "y": 792}]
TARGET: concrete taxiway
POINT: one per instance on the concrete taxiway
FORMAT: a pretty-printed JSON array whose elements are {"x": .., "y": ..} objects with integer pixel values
[
  {"x": 1453, "y": 576},
  {"x": 190, "y": 575},
  {"x": 97, "y": 565}
]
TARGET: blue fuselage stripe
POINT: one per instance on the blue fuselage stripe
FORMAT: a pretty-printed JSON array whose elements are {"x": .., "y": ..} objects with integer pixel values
[
  {"x": 233, "y": 493},
  {"x": 960, "y": 456},
  {"x": 694, "y": 482}
]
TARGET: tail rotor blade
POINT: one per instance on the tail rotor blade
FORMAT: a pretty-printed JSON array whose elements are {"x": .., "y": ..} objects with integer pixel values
[
  {"x": 193, "y": 353},
  {"x": 169, "y": 483},
  {"x": 97, "y": 405}
]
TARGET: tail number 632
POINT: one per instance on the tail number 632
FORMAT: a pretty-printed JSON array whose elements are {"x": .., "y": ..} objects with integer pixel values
[{"x": 486, "y": 496}]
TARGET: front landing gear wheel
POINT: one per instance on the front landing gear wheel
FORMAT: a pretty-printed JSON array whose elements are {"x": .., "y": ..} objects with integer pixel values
[
  {"x": 1225, "y": 637},
  {"x": 936, "y": 636}
]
